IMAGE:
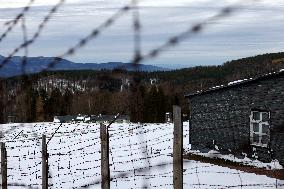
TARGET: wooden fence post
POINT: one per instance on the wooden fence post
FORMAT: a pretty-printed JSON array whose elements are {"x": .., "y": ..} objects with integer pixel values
[
  {"x": 177, "y": 149},
  {"x": 44, "y": 163},
  {"x": 4, "y": 166},
  {"x": 105, "y": 172}
]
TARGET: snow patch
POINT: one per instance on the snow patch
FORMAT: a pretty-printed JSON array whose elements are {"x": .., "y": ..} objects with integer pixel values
[
  {"x": 55, "y": 120},
  {"x": 273, "y": 165}
]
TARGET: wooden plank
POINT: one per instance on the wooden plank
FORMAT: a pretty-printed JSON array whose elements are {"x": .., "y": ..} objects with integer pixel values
[
  {"x": 44, "y": 163},
  {"x": 177, "y": 149},
  {"x": 105, "y": 172},
  {"x": 4, "y": 166}
]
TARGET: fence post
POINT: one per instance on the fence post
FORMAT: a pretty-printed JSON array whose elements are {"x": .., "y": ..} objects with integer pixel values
[
  {"x": 4, "y": 166},
  {"x": 44, "y": 163},
  {"x": 177, "y": 149},
  {"x": 105, "y": 172}
]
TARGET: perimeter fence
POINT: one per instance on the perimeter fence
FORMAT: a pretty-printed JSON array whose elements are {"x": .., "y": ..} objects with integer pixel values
[{"x": 137, "y": 155}]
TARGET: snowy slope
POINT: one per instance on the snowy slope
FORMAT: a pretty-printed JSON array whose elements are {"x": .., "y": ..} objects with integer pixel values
[{"x": 135, "y": 152}]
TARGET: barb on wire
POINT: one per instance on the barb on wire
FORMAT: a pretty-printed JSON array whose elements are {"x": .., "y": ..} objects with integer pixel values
[
  {"x": 142, "y": 145},
  {"x": 95, "y": 33},
  {"x": 36, "y": 35},
  {"x": 21, "y": 185},
  {"x": 137, "y": 32},
  {"x": 125, "y": 174},
  {"x": 17, "y": 135},
  {"x": 11, "y": 24},
  {"x": 54, "y": 133},
  {"x": 26, "y": 51},
  {"x": 190, "y": 32},
  {"x": 114, "y": 119}
]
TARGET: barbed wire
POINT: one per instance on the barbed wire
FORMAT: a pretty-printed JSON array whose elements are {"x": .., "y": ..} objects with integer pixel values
[
  {"x": 20, "y": 185},
  {"x": 127, "y": 173},
  {"x": 35, "y": 36},
  {"x": 137, "y": 39},
  {"x": 190, "y": 32},
  {"x": 26, "y": 51},
  {"x": 138, "y": 58},
  {"x": 136, "y": 31},
  {"x": 11, "y": 24},
  {"x": 95, "y": 33},
  {"x": 75, "y": 149}
]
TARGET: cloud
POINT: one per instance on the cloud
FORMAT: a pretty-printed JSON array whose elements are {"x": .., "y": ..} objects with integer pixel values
[{"x": 255, "y": 29}]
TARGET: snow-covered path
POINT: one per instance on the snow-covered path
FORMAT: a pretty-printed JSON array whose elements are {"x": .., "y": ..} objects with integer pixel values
[{"x": 140, "y": 156}]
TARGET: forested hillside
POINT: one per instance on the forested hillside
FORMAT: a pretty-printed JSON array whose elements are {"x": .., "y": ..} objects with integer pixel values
[
  {"x": 145, "y": 96},
  {"x": 202, "y": 77}
]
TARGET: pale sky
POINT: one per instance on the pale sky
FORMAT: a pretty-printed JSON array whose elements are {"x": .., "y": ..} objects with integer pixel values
[{"x": 257, "y": 28}]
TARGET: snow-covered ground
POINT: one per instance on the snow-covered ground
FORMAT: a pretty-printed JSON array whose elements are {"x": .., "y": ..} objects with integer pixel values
[{"x": 140, "y": 156}]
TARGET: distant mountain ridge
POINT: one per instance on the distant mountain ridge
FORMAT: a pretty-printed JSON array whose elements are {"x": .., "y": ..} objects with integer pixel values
[{"x": 37, "y": 64}]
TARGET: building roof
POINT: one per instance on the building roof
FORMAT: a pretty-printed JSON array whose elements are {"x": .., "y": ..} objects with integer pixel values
[
  {"x": 238, "y": 83},
  {"x": 65, "y": 118},
  {"x": 110, "y": 118},
  {"x": 105, "y": 118},
  {"x": 123, "y": 117}
]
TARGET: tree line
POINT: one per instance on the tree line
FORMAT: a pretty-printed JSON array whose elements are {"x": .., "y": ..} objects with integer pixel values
[{"x": 144, "y": 102}]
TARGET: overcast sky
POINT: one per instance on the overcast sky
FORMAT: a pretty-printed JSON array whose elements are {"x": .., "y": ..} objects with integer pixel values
[{"x": 256, "y": 28}]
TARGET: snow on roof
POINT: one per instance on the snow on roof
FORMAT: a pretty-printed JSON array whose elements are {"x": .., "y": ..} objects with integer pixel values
[
  {"x": 234, "y": 82},
  {"x": 237, "y": 82},
  {"x": 56, "y": 120}
]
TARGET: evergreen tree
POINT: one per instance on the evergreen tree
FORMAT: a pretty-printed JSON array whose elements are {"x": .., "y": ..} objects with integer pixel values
[
  {"x": 34, "y": 96},
  {"x": 66, "y": 104},
  {"x": 53, "y": 104},
  {"x": 44, "y": 98},
  {"x": 155, "y": 105},
  {"x": 26, "y": 102},
  {"x": 161, "y": 105},
  {"x": 39, "y": 109},
  {"x": 136, "y": 103}
]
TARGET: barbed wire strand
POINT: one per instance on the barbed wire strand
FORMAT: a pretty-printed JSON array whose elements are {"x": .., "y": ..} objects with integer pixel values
[
  {"x": 188, "y": 33},
  {"x": 138, "y": 58},
  {"x": 95, "y": 33},
  {"x": 11, "y": 24},
  {"x": 36, "y": 35},
  {"x": 26, "y": 50},
  {"x": 136, "y": 31}
]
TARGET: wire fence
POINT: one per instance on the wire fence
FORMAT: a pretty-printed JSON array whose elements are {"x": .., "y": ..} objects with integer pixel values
[
  {"x": 140, "y": 154},
  {"x": 140, "y": 157}
]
